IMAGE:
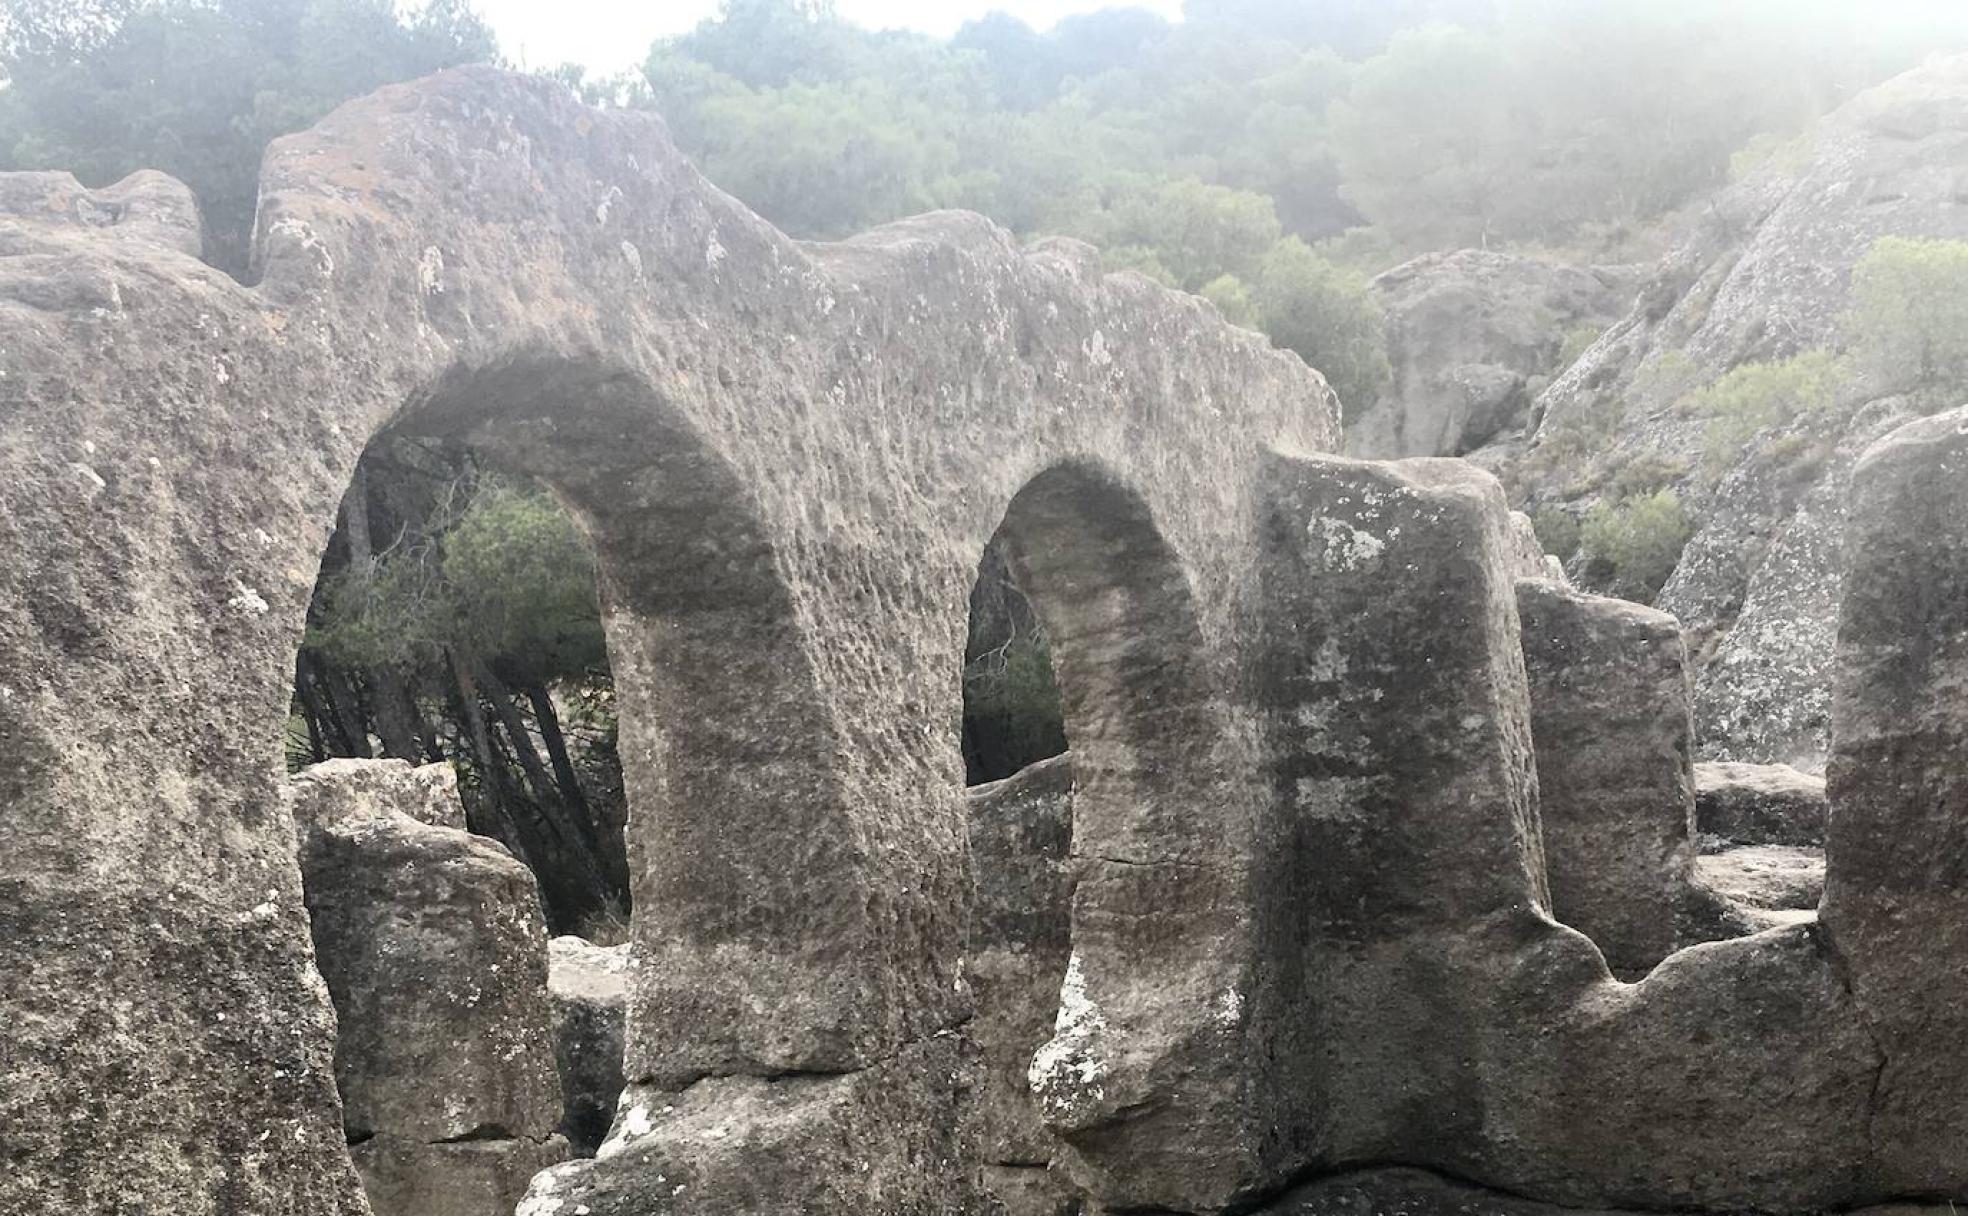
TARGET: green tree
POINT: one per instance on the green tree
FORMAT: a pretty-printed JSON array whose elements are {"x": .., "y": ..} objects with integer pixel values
[
  {"x": 1325, "y": 314},
  {"x": 1909, "y": 317},
  {"x": 197, "y": 89},
  {"x": 1426, "y": 143},
  {"x": 1632, "y": 545},
  {"x": 472, "y": 636}
]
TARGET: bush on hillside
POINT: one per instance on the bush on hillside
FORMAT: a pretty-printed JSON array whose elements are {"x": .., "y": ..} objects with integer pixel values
[
  {"x": 1909, "y": 317},
  {"x": 1756, "y": 396},
  {"x": 1632, "y": 545}
]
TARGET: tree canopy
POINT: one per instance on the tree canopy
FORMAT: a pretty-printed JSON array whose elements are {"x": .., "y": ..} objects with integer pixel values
[{"x": 198, "y": 88}]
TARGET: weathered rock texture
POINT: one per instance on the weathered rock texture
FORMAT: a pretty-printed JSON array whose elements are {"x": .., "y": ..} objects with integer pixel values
[
  {"x": 788, "y": 458},
  {"x": 589, "y": 987},
  {"x": 1473, "y": 336},
  {"x": 433, "y": 946},
  {"x": 1894, "y": 899},
  {"x": 1765, "y": 878},
  {"x": 1763, "y": 691},
  {"x": 1610, "y": 723},
  {"x": 1021, "y": 939},
  {"x": 1766, "y": 275},
  {"x": 1759, "y": 804},
  {"x": 1310, "y": 925}
]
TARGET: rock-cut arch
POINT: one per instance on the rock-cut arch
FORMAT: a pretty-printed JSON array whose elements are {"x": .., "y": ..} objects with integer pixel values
[
  {"x": 1149, "y": 990},
  {"x": 749, "y": 916}
]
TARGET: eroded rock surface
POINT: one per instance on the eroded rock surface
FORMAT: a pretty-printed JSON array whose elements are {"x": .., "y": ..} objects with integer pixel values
[
  {"x": 1311, "y": 924},
  {"x": 1760, "y": 585},
  {"x": 1610, "y": 720},
  {"x": 1021, "y": 936},
  {"x": 1894, "y": 899},
  {"x": 433, "y": 946},
  {"x": 1473, "y": 336},
  {"x": 880, "y": 1140},
  {"x": 589, "y": 988},
  {"x": 1759, "y": 804},
  {"x": 1764, "y": 276},
  {"x": 1766, "y": 877}
]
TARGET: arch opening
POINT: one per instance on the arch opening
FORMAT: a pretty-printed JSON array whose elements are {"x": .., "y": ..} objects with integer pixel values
[
  {"x": 455, "y": 622},
  {"x": 573, "y": 555},
  {"x": 1098, "y": 873}
]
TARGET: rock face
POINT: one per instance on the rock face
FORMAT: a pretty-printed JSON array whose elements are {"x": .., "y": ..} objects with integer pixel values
[
  {"x": 1893, "y": 898},
  {"x": 1763, "y": 693},
  {"x": 589, "y": 987},
  {"x": 1021, "y": 938},
  {"x": 1473, "y": 336},
  {"x": 1765, "y": 276},
  {"x": 433, "y": 946},
  {"x": 1610, "y": 721},
  {"x": 774, "y": 450},
  {"x": 1310, "y": 921},
  {"x": 1759, "y": 804},
  {"x": 799, "y": 1144},
  {"x": 1766, "y": 878}
]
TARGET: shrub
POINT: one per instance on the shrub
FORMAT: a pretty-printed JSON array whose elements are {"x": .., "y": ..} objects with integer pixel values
[
  {"x": 1633, "y": 544},
  {"x": 1232, "y": 299},
  {"x": 1909, "y": 316},
  {"x": 1646, "y": 474},
  {"x": 1578, "y": 340},
  {"x": 1557, "y": 531},
  {"x": 1756, "y": 396},
  {"x": 1310, "y": 306}
]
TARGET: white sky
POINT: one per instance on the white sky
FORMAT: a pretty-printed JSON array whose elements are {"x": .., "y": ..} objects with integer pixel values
[{"x": 609, "y": 35}]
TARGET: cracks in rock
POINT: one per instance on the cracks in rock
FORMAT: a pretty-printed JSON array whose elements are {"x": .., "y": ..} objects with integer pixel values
[
  {"x": 483, "y": 1132},
  {"x": 685, "y": 1083},
  {"x": 1841, "y": 974},
  {"x": 1145, "y": 865}
]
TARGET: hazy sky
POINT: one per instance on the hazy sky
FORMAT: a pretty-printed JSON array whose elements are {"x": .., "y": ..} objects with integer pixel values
[{"x": 608, "y": 35}]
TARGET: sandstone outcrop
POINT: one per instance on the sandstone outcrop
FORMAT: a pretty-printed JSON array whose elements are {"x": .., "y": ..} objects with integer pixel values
[
  {"x": 433, "y": 947},
  {"x": 776, "y": 451},
  {"x": 589, "y": 988},
  {"x": 1759, "y": 804},
  {"x": 1473, "y": 336},
  {"x": 1765, "y": 275},
  {"x": 1893, "y": 899},
  {"x": 1310, "y": 924},
  {"x": 1758, "y": 588},
  {"x": 1616, "y": 793},
  {"x": 1021, "y": 937}
]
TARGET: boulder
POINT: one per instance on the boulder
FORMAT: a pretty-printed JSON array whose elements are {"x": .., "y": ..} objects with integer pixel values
[
  {"x": 589, "y": 989},
  {"x": 1021, "y": 835},
  {"x": 728, "y": 1145},
  {"x": 1766, "y": 877},
  {"x": 433, "y": 947},
  {"x": 1895, "y": 901},
  {"x": 1758, "y": 804},
  {"x": 346, "y": 790},
  {"x": 1472, "y": 336},
  {"x": 1609, "y": 719}
]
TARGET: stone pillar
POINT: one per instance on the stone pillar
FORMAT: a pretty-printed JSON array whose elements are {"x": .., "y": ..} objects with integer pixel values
[
  {"x": 1896, "y": 898},
  {"x": 1398, "y": 727},
  {"x": 1611, "y": 722},
  {"x": 1021, "y": 935},
  {"x": 433, "y": 945},
  {"x": 589, "y": 985}
]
